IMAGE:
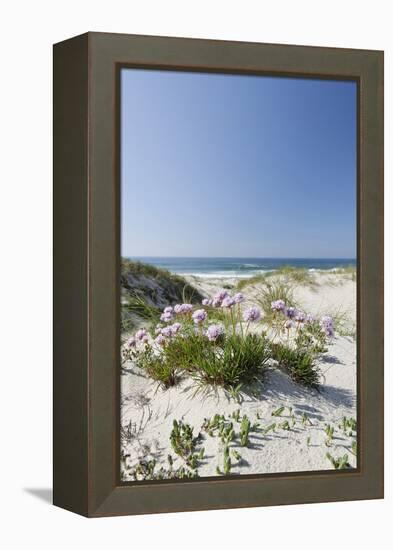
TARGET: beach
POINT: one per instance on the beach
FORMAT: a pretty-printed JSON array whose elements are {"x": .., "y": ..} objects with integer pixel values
[{"x": 300, "y": 440}]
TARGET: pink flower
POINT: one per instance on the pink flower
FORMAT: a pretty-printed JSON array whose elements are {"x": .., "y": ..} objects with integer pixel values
[
  {"x": 252, "y": 314},
  {"x": 167, "y": 332},
  {"x": 131, "y": 342},
  {"x": 199, "y": 316},
  {"x": 239, "y": 298},
  {"x": 166, "y": 317},
  {"x": 176, "y": 327},
  {"x": 183, "y": 308},
  {"x": 214, "y": 331},
  {"x": 141, "y": 335},
  {"x": 300, "y": 317},
  {"x": 228, "y": 302},
  {"x": 219, "y": 297},
  {"x": 160, "y": 340},
  {"x": 278, "y": 305},
  {"x": 290, "y": 312},
  {"x": 326, "y": 324}
]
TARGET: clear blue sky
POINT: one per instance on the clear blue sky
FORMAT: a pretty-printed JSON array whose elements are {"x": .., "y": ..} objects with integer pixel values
[{"x": 243, "y": 166}]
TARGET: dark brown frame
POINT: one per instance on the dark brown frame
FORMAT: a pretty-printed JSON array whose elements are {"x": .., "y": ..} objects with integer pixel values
[{"x": 86, "y": 273}]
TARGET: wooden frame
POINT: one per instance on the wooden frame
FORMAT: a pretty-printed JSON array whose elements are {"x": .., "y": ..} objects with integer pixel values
[{"x": 86, "y": 273}]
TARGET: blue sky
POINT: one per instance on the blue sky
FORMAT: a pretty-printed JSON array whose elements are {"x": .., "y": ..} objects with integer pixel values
[{"x": 242, "y": 166}]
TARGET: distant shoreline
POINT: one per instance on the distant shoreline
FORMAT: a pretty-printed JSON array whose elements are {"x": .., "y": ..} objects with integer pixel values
[{"x": 242, "y": 268}]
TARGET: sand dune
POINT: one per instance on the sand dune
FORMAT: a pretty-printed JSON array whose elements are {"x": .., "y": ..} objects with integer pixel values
[{"x": 151, "y": 410}]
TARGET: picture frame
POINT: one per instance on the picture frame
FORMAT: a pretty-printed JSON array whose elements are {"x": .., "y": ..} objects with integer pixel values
[{"x": 87, "y": 273}]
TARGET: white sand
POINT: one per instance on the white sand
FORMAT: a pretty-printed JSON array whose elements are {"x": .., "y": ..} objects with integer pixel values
[{"x": 152, "y": 410}]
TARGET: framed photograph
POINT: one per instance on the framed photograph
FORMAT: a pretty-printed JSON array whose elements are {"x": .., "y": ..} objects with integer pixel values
[{"x": 218, "y": 274}]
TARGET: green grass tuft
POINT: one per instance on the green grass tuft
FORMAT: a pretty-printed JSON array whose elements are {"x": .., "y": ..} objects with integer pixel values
[
  {"x": 231, "y": 362},
  {"x": 299, "y": 363},
  {"x": 243, "y": 283},
  {"x": 160, "y": 368},
  {"x": 277, "y": 290}
]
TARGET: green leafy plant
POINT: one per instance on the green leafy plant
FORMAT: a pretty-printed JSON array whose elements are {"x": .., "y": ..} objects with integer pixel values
[
  {"x": 146, "y": 470},
  {"x": 245, "y": 428},
  {"x": 184, "y": 443},
  {"x": 348, "y": 425},
  {"x": 236, "y": 455},
  {"x": 329, "y": 430},
  {"x": 306, "y": 420},
  {"x": 270, "y": 428},
  {"x": 285, "y": 425},
  {"x": 339, "y": 463},
  {"x": 278, "y": 412},
  {"x": 227, "y": 461}
]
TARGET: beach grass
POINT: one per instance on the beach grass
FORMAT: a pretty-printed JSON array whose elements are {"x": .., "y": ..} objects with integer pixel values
[
  {"x": 231, "y": 362},
  {"x": 239, "y": 362},
  {"x": 299, "y": 363},
  {"x": 343, "y": 324},
  {"x": 297, "y": 275},
  {"x": 137, "y": 305},
  {"x": 288, "y": 274},
  {"x": 272, "y": 291},
  {"x": 160, "y": 368},
  {"x": 249, "y": 281}
]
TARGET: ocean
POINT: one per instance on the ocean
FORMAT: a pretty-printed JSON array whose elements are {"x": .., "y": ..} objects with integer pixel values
[{"x": 241, "y": 267}]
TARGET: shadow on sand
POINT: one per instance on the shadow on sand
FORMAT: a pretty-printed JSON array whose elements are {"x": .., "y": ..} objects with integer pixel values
[{"x": 278, "y": 385}]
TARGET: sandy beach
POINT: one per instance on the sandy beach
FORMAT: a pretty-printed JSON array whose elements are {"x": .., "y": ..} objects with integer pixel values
[{"x": 149, "y": 411}]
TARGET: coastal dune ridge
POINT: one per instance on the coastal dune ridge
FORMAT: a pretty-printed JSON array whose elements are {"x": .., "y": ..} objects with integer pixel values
[{"x": 310, "y": 431}]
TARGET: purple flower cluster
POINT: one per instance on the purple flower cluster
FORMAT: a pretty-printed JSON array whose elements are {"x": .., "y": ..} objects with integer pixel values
[
  {"x": 252, "y": 314},
  {"x": 199, "y": 316},
  {"x": 290, "y": 312},
  {"x": 326, "y": 324},
  {"x": 160, "y": 340},
  {"x": 219, "y": 298},
  {"x": 182, "y": 309},
  {"x": 214, "y": 332},
  {"x": 300, "y": 317},
  {"x": 164, "y": 334},
  {"x": 167, "y": 316},
  {"x": 141, "y": 336},
  {"x": 131, "y": 342},
  {"x": 223, "y": 299},
  {"x": 296, "y": 316},
  {"x": 278, "y": 305},
  {"x": 228, "y": 302}
]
